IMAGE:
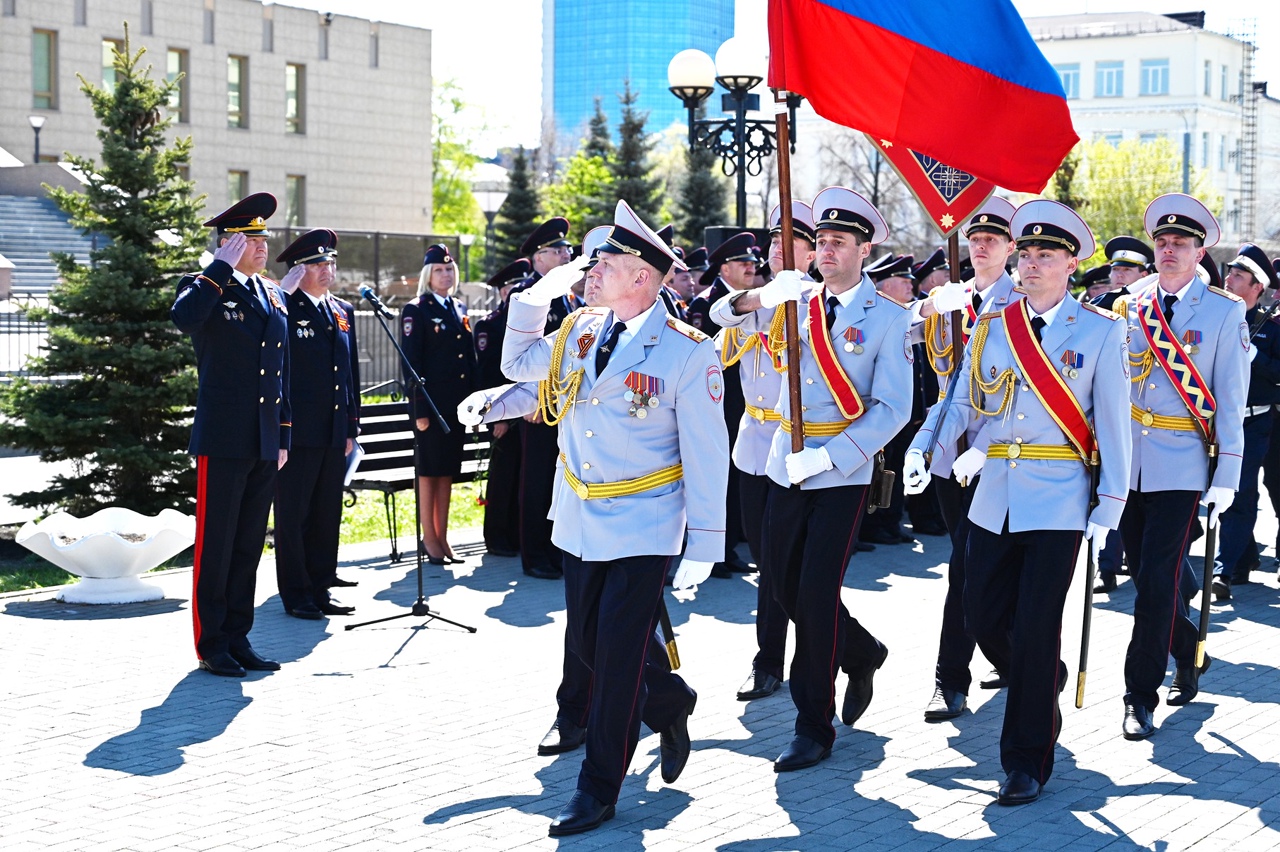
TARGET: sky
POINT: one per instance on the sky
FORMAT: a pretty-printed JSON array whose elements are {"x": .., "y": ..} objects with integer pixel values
[{"x": 495, "y": 58}]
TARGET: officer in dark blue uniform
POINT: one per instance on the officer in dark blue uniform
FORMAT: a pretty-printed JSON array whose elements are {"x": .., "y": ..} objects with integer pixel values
[
  {"x": 1096, "y": 283},
  {"x": 502, "y": 488},
  {"x": 240, "y": 435},
  {"x": 324, "y": 389},
  {"x": 1248, "y": 275}
]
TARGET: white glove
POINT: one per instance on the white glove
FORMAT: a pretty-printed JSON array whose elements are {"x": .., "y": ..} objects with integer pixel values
[
  {"x": 231, "y": 251},
  {"x": 691, "y": 573},
  {"x": 1253, "y": 352},
  {"x": 915, "y": 478},
  {"x": 293, "y": 278},
  {"x": 471, "y": 410},
  {"x": 968, "y": 465},
  {"x": 1219, "y": 499},
  {"x": 950, "y": 297},
  {"x": 555, "y": 283},
  {"x": 1096, "y": 534},
  {"x": 788, "y": 286},
  {"x": 807, "y": 463}
]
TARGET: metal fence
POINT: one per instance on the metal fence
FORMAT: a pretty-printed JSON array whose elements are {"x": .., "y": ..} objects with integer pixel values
[{"x": 20, "y": 338}]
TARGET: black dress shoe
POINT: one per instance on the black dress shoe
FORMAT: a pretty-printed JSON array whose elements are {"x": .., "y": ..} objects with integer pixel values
[
  {"x": 330, "y": 608},
  {"x": 994, "y": 680},
  {"x": 501, "y": 551},
  {"x": 1138, "y": 724},
  {"x": 929, "y": 529},
  {"x": 1106, "y": 583},
  {"x": 945, "y": 704},
  {"x": 307, "y": 611},
  {"x": 1221, "y": 589},
  {"x": 434, "y": 560},
  {"x": 758, "y": 685},
  {"x": 1186, "y": 683},
  {"x": 542, "y": 572},
  {"x": 673, "y": 745},
  {"x": 583, "y": 813},
  {"x": 738, "y": 566},
  {"x": 249, "y": 658},
  {"x": 879, "y": 537},
  {"x": 1019, "y": 789},
  {"x": 904, "y": 538},
  {"x": 563, "y": 736},
  {"x": 857, "y": 695},
  {"x": 863, "y": 547},
  {"x": 338, "y": 582},
  {"x": 222, "y": 665},
  {"x": 721, "y": 571},
  {"x": 801, "y": 753}
]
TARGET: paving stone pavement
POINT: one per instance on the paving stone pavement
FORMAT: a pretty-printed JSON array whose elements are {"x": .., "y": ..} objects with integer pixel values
[{"x": 417, "y": 735}]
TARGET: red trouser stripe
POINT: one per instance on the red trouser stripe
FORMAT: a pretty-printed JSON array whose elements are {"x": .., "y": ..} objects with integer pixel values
[{"x": 202, "y": 475}]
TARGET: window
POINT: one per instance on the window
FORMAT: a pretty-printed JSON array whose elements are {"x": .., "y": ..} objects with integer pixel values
[
  {"x": 237, "y": 91},
  {"x": 268, "y": 29},
  {"x": 82, "y": 12},
  {"x": 1208, "y": 78},
  {"x": 44, "y": 69},
  {"x": 10, "y": 8},
  {"x": 208, "y": 21},
  {"x": 295, "y": 200},
  {"x": 1236, "y": 156},
  {"x": 323, "y": 50},
  {"x": 237, "y": 186},
  {"x": 176, "y": 72},
  {"x": 1224, "y": 82},
  {"x": 148, "y": 23},
  {"x": 1155, "y": 76},
  {"x": 1222, "y": 152},
  {"x": 109, "y": 48},
  {"x": 1204, "y": 150},
  {"x": 1110, "y": 80},
  {"x": 295, "y": 98},
  {"x": 1111, "y": 137},
  {"x": 373, "y": 45},
  {"x": 1070, "y": 76},
  {"x": 1147, "y": 138}
]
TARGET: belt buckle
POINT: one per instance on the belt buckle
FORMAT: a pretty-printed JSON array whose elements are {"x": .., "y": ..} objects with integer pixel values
[
  {"x": 579, "y": 488},
  {"x": 1148, "y": 418},
  {"x": 1015, "y": 450}
]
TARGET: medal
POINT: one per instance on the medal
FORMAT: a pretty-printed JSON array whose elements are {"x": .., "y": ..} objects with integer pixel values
[
  {"x": 584, "y": 343},
  {"x": 848, "y": 347},
  {"x": 853, "y": 340},
  {"x": 643, "y": 393},
  {"x": 1192, "y": 338},
  {"x": 652, "y": 402},
  {"x": 641, "y": 414},
  {"x": 1072, "y": 361}
]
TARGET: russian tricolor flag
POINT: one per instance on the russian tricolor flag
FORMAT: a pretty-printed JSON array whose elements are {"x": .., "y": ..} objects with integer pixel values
[{"x": 961, "y": 81}]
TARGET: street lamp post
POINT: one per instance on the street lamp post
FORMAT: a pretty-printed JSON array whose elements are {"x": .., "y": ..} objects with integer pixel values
[
  {"x": 741, "y": 144},
  {"x": 489, "y": 195},
  {"x": 37, "y": 121},
  {"x": 466, "y": 240}
]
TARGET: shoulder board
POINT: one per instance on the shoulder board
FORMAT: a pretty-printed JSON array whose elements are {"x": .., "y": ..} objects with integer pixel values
[
  {"x": 686, "y": 329},
  {"x": 1102, "y": 312},
  {"x": 892, "y": 300},
  {"x": 990, "y": 316},
  {"x": 1232, "y": 296},
  {"x": 268, "y": 280}
]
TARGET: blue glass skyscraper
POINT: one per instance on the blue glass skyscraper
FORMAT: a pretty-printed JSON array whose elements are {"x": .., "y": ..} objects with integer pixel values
[{"x": 592, "y": 47}]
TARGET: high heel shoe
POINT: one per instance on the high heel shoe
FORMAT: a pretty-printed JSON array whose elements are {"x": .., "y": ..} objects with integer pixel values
[{"x": 434, "y": 560}]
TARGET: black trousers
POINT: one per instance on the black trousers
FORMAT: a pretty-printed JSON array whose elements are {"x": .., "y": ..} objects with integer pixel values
[
  {"x": 1271, "y": 471},
  {"x": 233, "y": 499},
  {"x": 538, "y": 454},
  {"x": 1015, "y": 587},
  {"x": 1156, "y": 529},
  {"x": 956, "y": 643},
  {"x": 771, "y": 620},
  {"x": 612, "y": 612},
  {"x": 308, "y": 520},
  {"x": 502, "y": 493},
  {"x": 1238, "y": 521},
  {"x": 809, "y": 537}
]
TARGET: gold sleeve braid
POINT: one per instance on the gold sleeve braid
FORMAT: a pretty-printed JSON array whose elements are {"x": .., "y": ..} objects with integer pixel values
[
  {"x": 734, "y": 344},
  {"x": 934, "y": 331},
  {"x": 1002, "y": 384},
  {"x": 556, "y": 394},
  {"x": 778, "y": 338}
]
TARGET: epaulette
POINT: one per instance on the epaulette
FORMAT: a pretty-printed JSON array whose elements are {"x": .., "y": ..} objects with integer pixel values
[
  {"x": 686, "y": 329},
  {"x": 268, "y": 280},
  {"x": 989, "y": 316},
  {"x": 1120, "y": 307},
  {"x": 1102, "y": 312},
  {"x": 902, "y": 305},
  {"x": 1232, "y": 296}
]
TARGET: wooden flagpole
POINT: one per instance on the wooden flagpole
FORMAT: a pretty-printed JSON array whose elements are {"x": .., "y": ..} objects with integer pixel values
[{"x": 789, "y": 262}]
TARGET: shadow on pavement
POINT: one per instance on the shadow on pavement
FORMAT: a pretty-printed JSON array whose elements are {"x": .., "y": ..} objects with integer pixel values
[{"x": 60, "y": 611}]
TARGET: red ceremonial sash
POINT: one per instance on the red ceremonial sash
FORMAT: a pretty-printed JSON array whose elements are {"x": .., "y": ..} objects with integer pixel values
[
  {"x": 1180, "y": 369},
  {"x": 838, "y": 381},
  {"x": 1048, "y": 385}
]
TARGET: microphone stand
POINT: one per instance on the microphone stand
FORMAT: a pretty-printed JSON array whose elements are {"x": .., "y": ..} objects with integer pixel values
[{"x": 420, "y": 609}]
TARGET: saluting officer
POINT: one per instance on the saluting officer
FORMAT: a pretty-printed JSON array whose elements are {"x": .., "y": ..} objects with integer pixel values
[
  {"x": 1248, "y": 275},
  {"x": 325, "y": 395},
  {"x": 855, "y": 364},
  {"x": 1189, "y": 359},
  {"x": 1047, "y": 374},
  {"x": 240, "y": 435},
  {"x": 645, "y": 459}
]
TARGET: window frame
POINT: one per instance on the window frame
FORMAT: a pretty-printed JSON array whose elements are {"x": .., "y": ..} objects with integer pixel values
[
  {"x": 50, "y": 95},
  {"x": 1112, "y": 71},
  {"x": 296, "y": 123},
  {"x": 238, "y": 117}
]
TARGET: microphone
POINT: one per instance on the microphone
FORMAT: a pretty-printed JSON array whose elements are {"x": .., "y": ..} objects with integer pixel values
[{"x": 366, "y": 292}]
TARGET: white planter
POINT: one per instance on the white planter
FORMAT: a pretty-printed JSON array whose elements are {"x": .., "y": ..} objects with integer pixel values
[{"x": 108, "y": 550}]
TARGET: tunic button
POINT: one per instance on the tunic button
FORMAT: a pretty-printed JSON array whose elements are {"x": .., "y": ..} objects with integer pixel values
[
  {"x": 459, "y": 354},
  {"x": 262, "y": 399},
  {"x": 804, "y": 408},
  {"x": 335, "y": 369},
  {"x": 1022, "y": 416},
  {"x": 595, "y": 401},
  {"x": 335, "y": 408},
  {"x": 1013, "y": 464},
  {"x": 762, "y": 375},
  {"x": 1026, "y": 387},
  {"x": 586, "y": 465},
  {"x": 335, "y": 387},
  {"x": 759, "y": 399},
  {"x": 262, "y": 372},
  {"x": 590, "y": 433},
  {"x": 1145, "y": 432},
  {"x": 278, "y": 345},
  {"x": 1152, "y": 386},
  {"x": 1017, "y": 440},
  {"x": 277, "y": 374},
  {"x": 264, "y": 344},
  {"x": 277, "y": 400}
]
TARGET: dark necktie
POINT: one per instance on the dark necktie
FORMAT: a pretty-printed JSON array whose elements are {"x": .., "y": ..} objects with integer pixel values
[
  {"x": 833, "y": 302},
  {"x": 451, "y": 312},
  {"x": 1170, "y": 302},
  {"x": 606, "y": 348},
  {"x": 977, "y": 302},
  {"x": 259, "y": 293},
  {"x": 1037, "y": 325}
]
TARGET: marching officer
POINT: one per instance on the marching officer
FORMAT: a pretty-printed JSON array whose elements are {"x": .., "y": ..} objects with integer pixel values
[
  {"x": 1129, "y": 260},
  {"x": 1096, "y": 283},
  {"x": 1047, "y": 375},
  {"x": 324, "y": 389},
  {"x": 240, "y": 434},
  {"x": 1189, "y": 359},
  {"x": 676, "y": 304},
  {"x": 646, "y": 457},
  {"x": 1248, "y": 275},
  {"x": 855, "y": 364},
  {"x": 990, "y": 290},
  {"x": 932, "y": 272},
  {"x": 761, "y": 385}
]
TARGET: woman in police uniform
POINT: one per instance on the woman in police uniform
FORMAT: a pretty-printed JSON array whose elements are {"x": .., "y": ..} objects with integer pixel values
[{"x": 436, "y": 337}]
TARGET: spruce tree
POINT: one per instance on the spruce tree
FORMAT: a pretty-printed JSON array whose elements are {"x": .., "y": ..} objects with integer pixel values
[
  {"x": 583, "y": 194},
  {"x": 519, "y": 213},
  {"x": 114, "y": 390},
  {"x": 599, "y": 143},
  {"x": 703, "y": 195},
  {"x": 632, "y": 180}
]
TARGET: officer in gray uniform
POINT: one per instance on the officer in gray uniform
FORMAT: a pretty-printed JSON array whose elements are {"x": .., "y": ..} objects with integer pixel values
[
  {"x": 641, "y": 476},
  {"x": 1048, "y": 376},
  {"x": 1180, "y": 331},
  {"x": 855, "y": 368}
]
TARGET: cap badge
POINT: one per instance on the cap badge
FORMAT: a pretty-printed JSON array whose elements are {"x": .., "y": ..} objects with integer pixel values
[
  {"x": 982, "y": 218},
  {"x": 1037, "y": 229},
  {"x": 1171, "y": 218},
  {"x": 833, "y": 214}
]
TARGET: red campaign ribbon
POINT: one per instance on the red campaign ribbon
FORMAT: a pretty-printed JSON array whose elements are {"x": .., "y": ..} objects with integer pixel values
[
  {"x": 838, "y": 381},
  {"x": 640, "y": 383},
  {"x": 1044, "y": 380},
  {"x": 1181, "y": 370}
]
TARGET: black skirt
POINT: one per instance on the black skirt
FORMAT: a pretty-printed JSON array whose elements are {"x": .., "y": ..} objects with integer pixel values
[{"x": 440, "y": 454}]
